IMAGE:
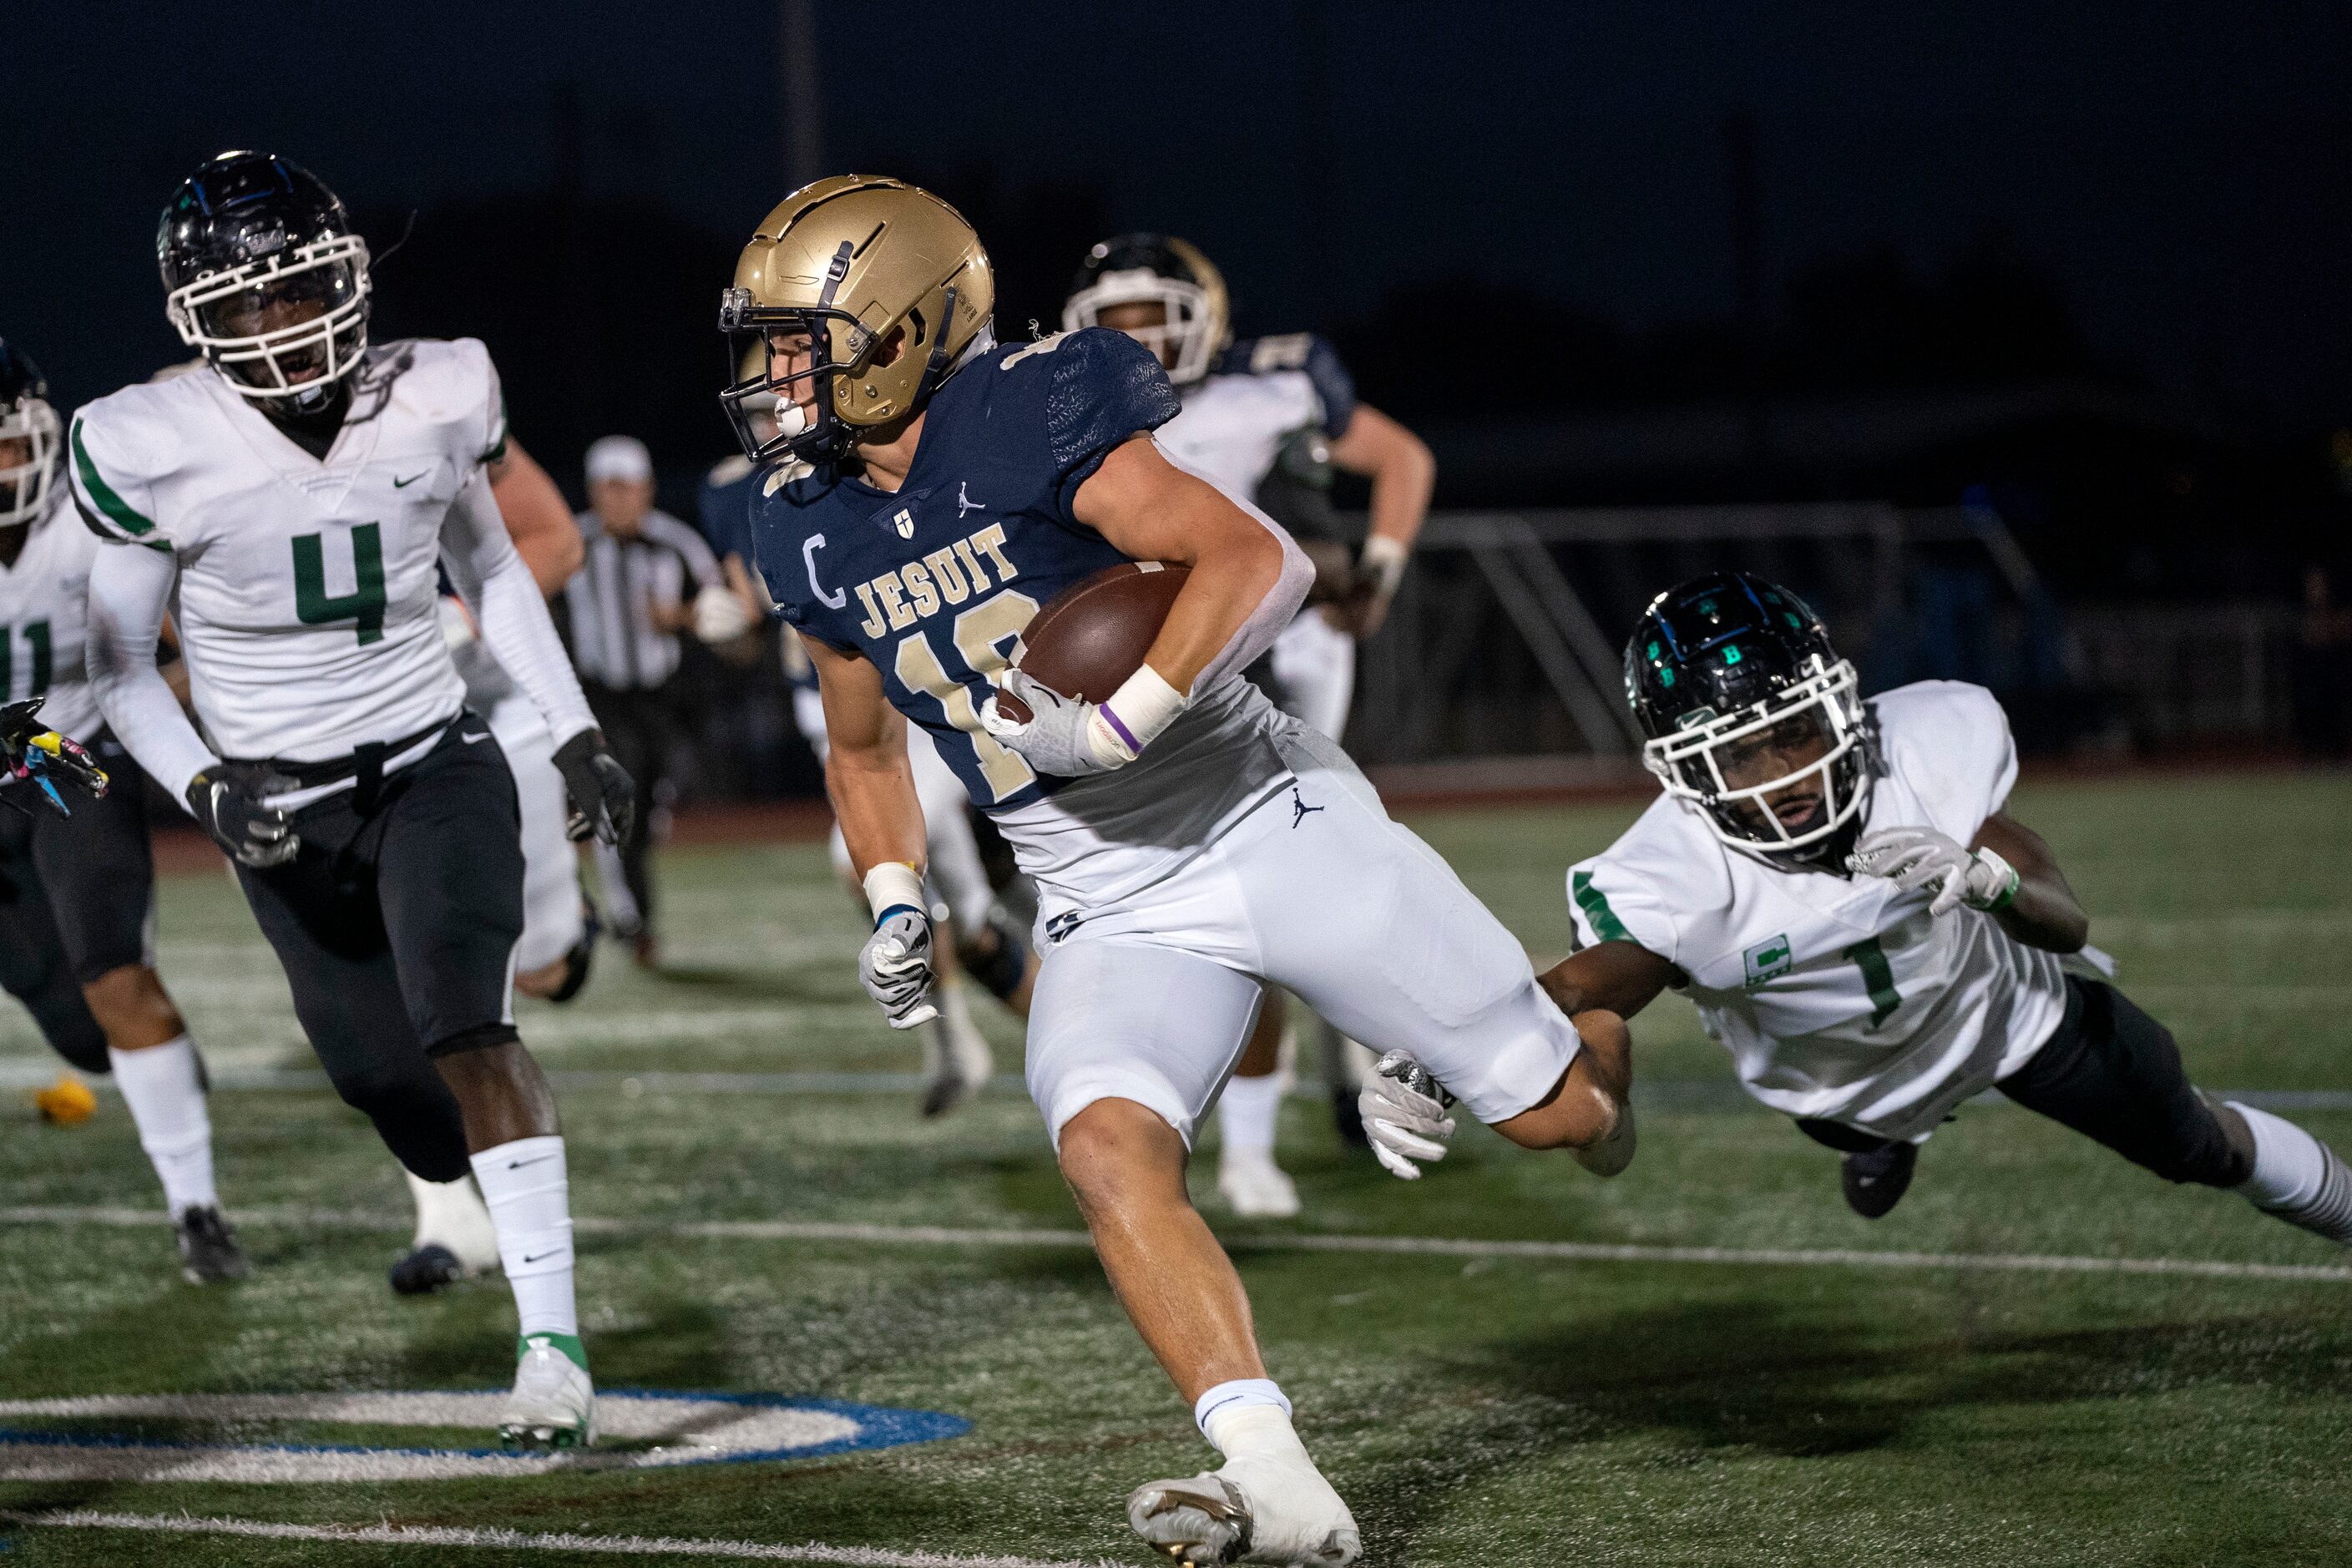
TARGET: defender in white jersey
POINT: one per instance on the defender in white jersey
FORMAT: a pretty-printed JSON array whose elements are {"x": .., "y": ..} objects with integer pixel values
[
  {"x": 1189, "y": 844},
  {"x": 1840, "y": 889},
  {"x": 1244, "y": 406},
  {"x": 77, "y": 876},
  {"x": 295, "y": 505}
]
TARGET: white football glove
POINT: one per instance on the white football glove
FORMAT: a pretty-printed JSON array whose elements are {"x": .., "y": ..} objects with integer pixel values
[
  {"x": 1916, "y": 858},
  {"x": 896, "y": 967},
  {"x": 720, "y": 615},
  {"x": 1404, "y": 1115},
  {"x": 1065, "y": 737}
]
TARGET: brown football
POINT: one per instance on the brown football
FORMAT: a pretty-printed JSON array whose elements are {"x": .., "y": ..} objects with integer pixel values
[{"x": 1094, "y": 635}]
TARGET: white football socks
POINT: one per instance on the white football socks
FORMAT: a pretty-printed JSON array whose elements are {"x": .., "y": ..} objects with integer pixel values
[
  {"x": 1249, "y": 1110},
  {"x": 163, "y": 1087},
  {"x": 451, "y": 1215},
  {"x": 2297, "y": 1177},
  {"x": 529, "y": 1200},
  {"x": 1238, "y": 1412}
]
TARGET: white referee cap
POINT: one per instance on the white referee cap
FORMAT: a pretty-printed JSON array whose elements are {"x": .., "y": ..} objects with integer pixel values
[{"x": 619, "y": 458}]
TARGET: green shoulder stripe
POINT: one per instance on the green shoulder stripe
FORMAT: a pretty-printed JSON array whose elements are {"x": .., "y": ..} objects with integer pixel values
[
  {"x": 118, "y": 511},
  {"x": 1595, "y": 905}
]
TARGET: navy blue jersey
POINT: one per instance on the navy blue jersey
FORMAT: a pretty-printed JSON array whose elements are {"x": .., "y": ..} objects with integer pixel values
[
  {"x": 723, "y": 508},
  {"x": 1308, "y": 355},
  {"x": 933, "y": 583}
]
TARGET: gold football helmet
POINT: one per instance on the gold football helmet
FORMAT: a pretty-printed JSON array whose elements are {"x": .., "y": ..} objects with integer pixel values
[
  {"x": 869, "y": 291},
  {"x": 1157, "y": 270}
]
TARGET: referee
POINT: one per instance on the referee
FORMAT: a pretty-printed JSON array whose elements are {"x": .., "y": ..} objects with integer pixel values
[{"x": 632, "y": 595}]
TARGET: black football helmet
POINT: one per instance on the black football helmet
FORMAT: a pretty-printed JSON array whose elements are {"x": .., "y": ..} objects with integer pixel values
[
  {"x": 263, "y": 273},
  {"x": 1157, "y": 270},
  {"x": 1722, "y": 659},
  {"x": 26, "y": 415}
]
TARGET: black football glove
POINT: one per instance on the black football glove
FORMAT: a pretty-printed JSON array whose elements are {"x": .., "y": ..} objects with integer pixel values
[
  {"x": 31, "y": 751},
  {"x": 228, "y": 803},
  {"x": 604, "y": 797}
]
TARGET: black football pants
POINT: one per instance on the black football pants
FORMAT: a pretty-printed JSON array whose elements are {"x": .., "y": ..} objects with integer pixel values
[
  {"x": 640, "y": 726},
  {"x": 2112, "y": 1073},
  {"x": 75, "y": 894},
  {"x": 397, "y": 924}
]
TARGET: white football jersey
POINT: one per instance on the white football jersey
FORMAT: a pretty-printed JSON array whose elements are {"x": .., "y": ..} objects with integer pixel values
[
  {"x": 1837, "y": 996},
  {"x": 306, "y": 603},
  {"x": 44, "y": 621},
  {"x": 1264, "y": 389}
]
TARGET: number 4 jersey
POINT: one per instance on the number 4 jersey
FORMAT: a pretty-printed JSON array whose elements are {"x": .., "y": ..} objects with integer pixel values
[
  {"x": 306, "y": 605},
  {"x": 44, "y": 619},
  {"x": 1842, "y": 997}
]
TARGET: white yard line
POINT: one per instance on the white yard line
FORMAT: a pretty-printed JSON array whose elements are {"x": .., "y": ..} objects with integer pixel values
[
  {"x": 1389, "y": 1246},
  {"x": 518, "y": 1541}
]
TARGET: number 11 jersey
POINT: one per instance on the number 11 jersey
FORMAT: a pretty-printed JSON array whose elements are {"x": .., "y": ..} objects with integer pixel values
[{"x": 306, "y": 604}]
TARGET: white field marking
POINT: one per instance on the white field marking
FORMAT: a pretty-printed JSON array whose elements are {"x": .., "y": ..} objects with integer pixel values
[
  {"x": 683, "y": 1430},
  {"x": 520, "y": 1540},
  {"x": 1665, "y": 1094},
  {"x": 1391, "y": 1246}
]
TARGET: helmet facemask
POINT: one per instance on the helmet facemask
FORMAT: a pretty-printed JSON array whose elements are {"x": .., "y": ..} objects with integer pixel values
[
  {"x": 30, "y": 424},
  {"x": 1691, "y": 762},
  {"x": 1185, "y": 342},
  {"x": 319, "y": 293}
]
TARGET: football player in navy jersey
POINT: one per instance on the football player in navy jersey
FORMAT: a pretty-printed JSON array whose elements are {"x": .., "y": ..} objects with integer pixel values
[
  {"x": 925, "y": 493},
  {"x": 1245, "y": 404}
]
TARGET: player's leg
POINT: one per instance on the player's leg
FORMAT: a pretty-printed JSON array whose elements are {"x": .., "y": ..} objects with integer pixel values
[
  {"x": 1369, "y": 927},
  {"x": 551, "y": 961},
  {"x": 98, "y": 869},
  {"x": 2113, "y": 1073},
  {"x": 1248, "y": 1113},
  {"x": 33, "y": 970},
  {"x": 1314, "y": 668},
  {"x": 642, "y": 746},
  {"x": 1128, "y": 1043},
  {"x": 449, "y": 877}
]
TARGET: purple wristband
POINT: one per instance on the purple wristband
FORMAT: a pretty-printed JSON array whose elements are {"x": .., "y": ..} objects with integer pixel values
[{"x": 1118, "y": 728}]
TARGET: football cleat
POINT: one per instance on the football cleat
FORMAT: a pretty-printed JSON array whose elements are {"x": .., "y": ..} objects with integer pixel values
[
  {"x": 455, "y": 1238},
  {"x": 957, "y": 1062},
  {"x": 1874, "y": 1181},
  {"x": 426, "y": 1270},
  {"x": 1255, "y": 1186},
  {"x": 208, "y": 1250},
  {"x": 553, "y": 1405},
  {"x": 1256, "y": 1509}
]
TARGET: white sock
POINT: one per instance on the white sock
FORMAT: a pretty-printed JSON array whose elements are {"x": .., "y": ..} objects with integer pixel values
[
  {"x": 163, "y": 1087},
  {"x": 1249, "y": 1110},
  {"x": 529, "y": 1200},
  {"x": 2296, "y": 1177},
  {"x": 451, "y": 1215},
  {"x": 1238, "y": 1412}
]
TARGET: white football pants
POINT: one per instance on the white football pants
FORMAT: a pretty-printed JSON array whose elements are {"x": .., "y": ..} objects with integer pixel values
[
  {"x": 551, "y": 919},
  {"x": 957, "y": 878}
]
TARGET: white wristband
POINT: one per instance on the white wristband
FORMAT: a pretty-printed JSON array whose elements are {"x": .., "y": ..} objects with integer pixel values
[
  {"x": 1384, "y": 559},
  {"x": 894, "y": 884},
  {"x": 1139, "y": 710}
]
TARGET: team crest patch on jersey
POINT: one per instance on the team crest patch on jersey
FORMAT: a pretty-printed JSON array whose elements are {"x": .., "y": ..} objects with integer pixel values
[
  {"x": 266, "y": 1437},
  {"x": 906, "y": 523},
  {"x": 1767, "y": 959}
]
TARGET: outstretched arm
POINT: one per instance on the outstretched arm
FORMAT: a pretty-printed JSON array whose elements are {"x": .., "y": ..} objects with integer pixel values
[
  {"x": 129, "y": 591},
  {"x": 1620, "y": 977}
]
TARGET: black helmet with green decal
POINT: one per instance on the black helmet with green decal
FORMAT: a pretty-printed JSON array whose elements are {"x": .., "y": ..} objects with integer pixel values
[{"x": 1729, "y": 664}]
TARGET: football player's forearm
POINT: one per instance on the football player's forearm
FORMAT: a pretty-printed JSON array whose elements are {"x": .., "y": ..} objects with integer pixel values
[
  {"x": 129, "y": 586},
  {"x": 1240, "y": 583},
  {"x": 1398, "y": 463},
  {"x": 1619, "y": 977},
  {"x": 875, "y": 801},
  {"x": 2044, "y": 913}
]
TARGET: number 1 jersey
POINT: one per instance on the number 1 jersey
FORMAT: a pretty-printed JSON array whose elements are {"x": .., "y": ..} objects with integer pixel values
[
  {"x": 44, "y": 621},
  {"x": 1842, "y": 997},
  {"x": 306, "y": 604}
]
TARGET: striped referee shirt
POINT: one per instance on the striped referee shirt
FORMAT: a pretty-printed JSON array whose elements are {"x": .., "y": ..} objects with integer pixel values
[{"x": 610, "y": 599}]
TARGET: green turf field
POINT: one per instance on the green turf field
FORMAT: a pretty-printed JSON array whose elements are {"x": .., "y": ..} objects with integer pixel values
[{"x": 1475, "y": 1406}]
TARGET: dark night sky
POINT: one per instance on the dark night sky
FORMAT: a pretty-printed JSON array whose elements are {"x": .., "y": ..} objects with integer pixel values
[{"x": 2183, "y": 171}]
